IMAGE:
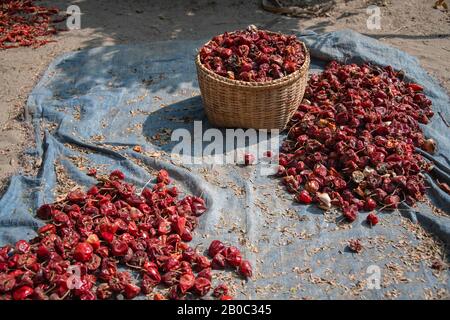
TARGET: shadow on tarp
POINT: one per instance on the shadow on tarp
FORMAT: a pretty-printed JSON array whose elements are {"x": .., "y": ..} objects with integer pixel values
[
  {"x": 114, "y": 69},
  {"x": 181, "y": 115}
]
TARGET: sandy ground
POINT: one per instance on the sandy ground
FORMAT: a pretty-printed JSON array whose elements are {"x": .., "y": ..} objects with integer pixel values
[{"x": 413, "y": 26}]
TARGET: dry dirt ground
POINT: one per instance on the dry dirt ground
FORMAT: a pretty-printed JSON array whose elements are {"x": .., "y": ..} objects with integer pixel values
[{"x": 412, "y": 25}]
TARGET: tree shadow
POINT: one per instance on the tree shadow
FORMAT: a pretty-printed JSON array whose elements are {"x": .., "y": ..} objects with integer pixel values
[
  {"x": 320, "y": 27},
  {"x": 165, "y": 37},
  {"x": 140, "y": 21},
  {"x": 409, "y": 36},
  {"x": 122, "y": 69},
  {"x": 177, "y": 116}
]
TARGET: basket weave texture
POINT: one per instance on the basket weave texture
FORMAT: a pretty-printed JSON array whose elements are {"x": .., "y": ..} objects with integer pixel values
[{"x": 260, "y": 105}]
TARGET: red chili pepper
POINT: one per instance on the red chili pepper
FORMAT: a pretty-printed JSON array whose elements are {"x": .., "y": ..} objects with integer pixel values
[
  {"x": 372, "y": 219},
  {"x": 24, "y": 23}
]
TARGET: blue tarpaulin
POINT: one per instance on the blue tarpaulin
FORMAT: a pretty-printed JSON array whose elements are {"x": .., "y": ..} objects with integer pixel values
[{"x": 93, "y": 106}]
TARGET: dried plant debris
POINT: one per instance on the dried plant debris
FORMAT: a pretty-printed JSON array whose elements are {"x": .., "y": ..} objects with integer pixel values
[{"x": 162, "y": 137}]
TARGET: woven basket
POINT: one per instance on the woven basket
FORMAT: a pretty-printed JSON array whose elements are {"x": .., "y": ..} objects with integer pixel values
[{"x": 260, "y": 105}]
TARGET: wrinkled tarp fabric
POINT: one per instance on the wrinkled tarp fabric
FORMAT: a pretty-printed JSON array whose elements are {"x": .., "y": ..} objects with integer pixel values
[{"x": 98, "y": 104}]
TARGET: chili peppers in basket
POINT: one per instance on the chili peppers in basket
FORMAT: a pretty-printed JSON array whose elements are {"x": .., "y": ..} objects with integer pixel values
[
  {"x": 23, "y": 24},
  {"x": 253, "y": 55},
  {"x": 351, "y": 143},
  {"x": 90, "y": 235}
]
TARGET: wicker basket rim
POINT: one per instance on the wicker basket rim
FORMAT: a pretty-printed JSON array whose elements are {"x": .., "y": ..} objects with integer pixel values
[{"x": 252, "y": 84}]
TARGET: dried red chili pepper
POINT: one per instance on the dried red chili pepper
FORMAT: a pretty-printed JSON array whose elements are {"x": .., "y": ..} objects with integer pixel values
[
  {"x": 158, "y": 296},
  {"x": 83, "y": 252},
  {"x": 22, "y": 293},
  {"x": 355, "y": 245},
  {"x": 186, "y": 282},
  {"x": 201, "y": 262},
  {"x": 94, "y": 241},
  {"x": 218, "y": 262},
  {"x": 372, "y": 219},
  {"x": 201, "y": 286},
  {"x": 304, "y": 197},
  {"x": 245, "y": 269},
  {"x": 104, "y": 292},
  {"x": 350, "y": 213},
  {"x": 92, "y": 172},
  {"x": 163, "y": 177},
  {"x": 215, "y": 247},
  {"x": 220, "y": 290},
  {"x": 7, "y": 282},
  {"x": 131, "y": 291},
  {"x": 444, "y": 186},
  {"x": 22, "y": 246},
  {"x": 205, "y": 273},
  {"x": 232, "y": 256},
  {"x": 249, "y": 159}
]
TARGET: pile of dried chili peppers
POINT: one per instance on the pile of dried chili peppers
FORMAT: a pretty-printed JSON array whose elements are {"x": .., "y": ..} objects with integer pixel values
[
  {"x": 90, "y": 237},
  {"x": 253, "y": 55},
  {"x": 351, "y": 143},
  {"x": 24, "y": 24}
]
